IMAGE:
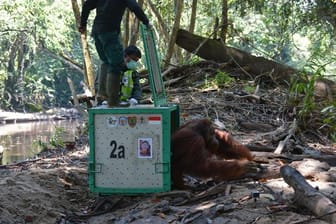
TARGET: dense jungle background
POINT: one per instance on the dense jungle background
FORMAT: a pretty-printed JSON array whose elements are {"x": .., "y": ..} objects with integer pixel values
[{"x": 41, "y": 49}]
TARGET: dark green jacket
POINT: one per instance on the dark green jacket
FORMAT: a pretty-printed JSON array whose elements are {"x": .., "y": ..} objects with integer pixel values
[{"x": 109, "y": 14}]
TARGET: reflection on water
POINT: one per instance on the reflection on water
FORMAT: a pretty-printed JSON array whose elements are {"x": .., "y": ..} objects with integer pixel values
[{"x": 20, "y": 141}]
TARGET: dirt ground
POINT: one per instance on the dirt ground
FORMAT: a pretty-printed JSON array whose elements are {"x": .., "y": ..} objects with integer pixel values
[{"x": 54, "y": 188}]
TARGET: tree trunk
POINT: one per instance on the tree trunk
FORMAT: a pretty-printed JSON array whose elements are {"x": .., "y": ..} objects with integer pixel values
[
  {"x": 192, "y": 23},
  {"x": 176, "y": 27},
  {"x": 135, "y": 27},
  {"x": 126, "y": 23},
  {"x": 193, "y": 16},
  {"x": 215, "y": 29},
  {"x": 21, "y": 71},
  {"x": 89, "y": 76},
  {"x": 12, "y": 54},
  {"x": 224, "y": 23},
  {"x": 163, "y": 26},
  {"x": 214, "y": 50}
]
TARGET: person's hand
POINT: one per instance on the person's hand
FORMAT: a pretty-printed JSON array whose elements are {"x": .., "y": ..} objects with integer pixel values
[
  {"x": 149, "y": 26},
  {"x": 133, "y": 102},
  {"x": 82, "y": 29}
]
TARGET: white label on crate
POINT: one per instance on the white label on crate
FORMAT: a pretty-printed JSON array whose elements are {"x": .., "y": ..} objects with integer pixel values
[{"x": 145, "y": 147}]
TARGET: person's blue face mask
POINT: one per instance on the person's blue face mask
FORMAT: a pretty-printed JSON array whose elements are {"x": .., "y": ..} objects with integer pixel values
[{"x": 132, "y": 65}]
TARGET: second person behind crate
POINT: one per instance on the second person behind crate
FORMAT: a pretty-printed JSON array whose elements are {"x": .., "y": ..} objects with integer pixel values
[{"x": 130, "y": 88}]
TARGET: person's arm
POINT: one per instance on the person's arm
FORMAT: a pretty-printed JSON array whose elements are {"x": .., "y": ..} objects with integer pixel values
[
  {"x": 136, "y": 9},
  {"x": 88, "y": 5}
]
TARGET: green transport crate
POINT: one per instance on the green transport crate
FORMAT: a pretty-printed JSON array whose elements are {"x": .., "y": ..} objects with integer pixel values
[{"x": 130, "y": 147}]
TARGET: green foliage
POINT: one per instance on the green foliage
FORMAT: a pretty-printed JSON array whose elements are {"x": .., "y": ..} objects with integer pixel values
[
  {"x": 299, "y": 33},
  {"x": 291, "y": 32},
  {"x": 330, "y": 120},
  {"x": 56, "y": 138},
  {"x": 40, "y": 145},
  {"x": 302, "y": 95},
  {"x": 308, "y": 103},
  {"x": 34, "y": 107},
  {"x": 223, "y": 79},
  {"x": 249, "y": 89},
  {"x": 37, "y": 32},
  {"x": 220, "y": 80}
]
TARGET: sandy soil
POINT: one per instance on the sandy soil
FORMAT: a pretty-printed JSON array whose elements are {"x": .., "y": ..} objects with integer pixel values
[{"x": 43, "y": 190}]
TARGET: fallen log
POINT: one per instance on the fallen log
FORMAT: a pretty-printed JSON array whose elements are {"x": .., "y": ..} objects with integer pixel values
[
  {"x": 254, "y": 126},
  {"x": 330, "y": 159},
  {"x": 307, "y": 196},
  {"x": 214, "y": 50}
]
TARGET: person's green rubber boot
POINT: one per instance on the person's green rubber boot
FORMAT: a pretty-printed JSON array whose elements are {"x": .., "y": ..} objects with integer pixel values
[{"x": 113, "y": 89}]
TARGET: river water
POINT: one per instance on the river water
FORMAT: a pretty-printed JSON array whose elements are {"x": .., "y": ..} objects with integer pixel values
[{"x": 20, "y": 141}]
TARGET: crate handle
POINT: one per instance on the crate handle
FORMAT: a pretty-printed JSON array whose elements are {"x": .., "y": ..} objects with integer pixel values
[
  {"x": 162, "y": 167},
  {"x": 95, "y": 167}
]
